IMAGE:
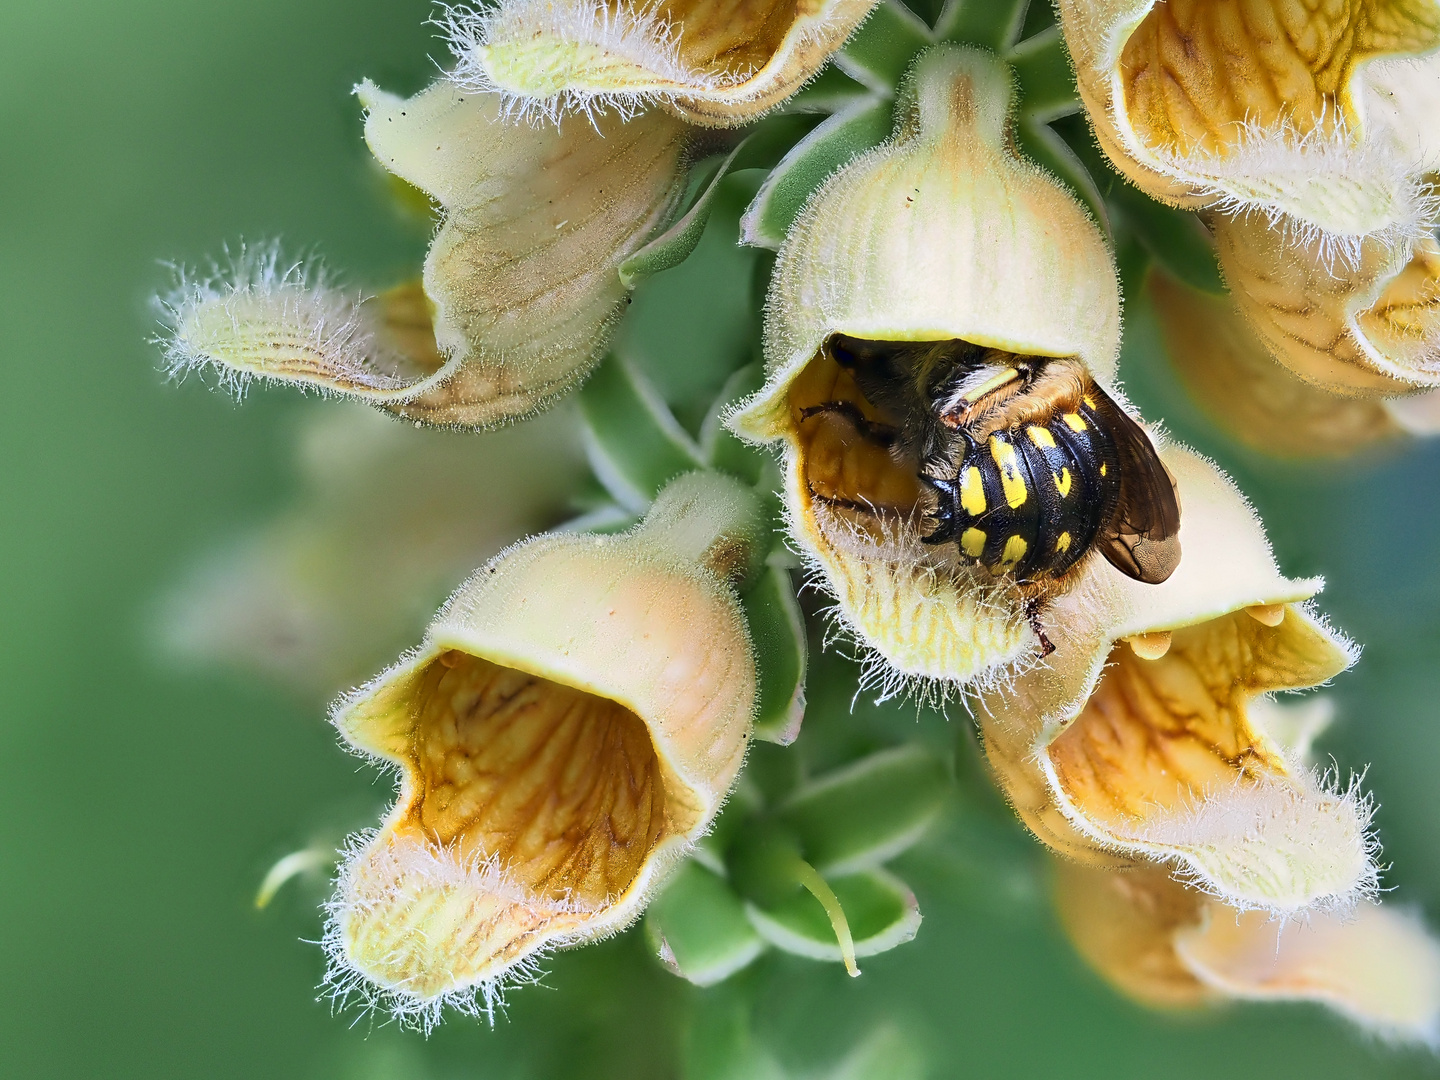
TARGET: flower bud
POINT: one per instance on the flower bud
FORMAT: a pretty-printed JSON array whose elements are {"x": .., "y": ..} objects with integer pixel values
[
  {"x": 943, "y": 233},
  {"x": 571, "y": 724},
  {"x": 1138, "y": 737},
  {"x": 1167, "y": 945},
  {"x": 712, "y": 64},
  {"x": 521, "y": 286}
]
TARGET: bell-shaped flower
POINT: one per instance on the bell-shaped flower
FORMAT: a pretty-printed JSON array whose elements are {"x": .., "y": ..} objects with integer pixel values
[
  {"x": 521, "y": 286},
  {"x": 1309, "y": 131},
  {"x": 1168, "y": 945},
  {"x": 571, "y": 724},
  {"x": 942, "y": 234},
  {"x": 712, "y": 64},
  {"x": 1139, "y": 738},
  {"x": 1233, "y": 377}
]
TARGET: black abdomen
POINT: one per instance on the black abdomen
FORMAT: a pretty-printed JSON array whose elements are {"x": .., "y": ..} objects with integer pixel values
[{"x": 1030, "y": 500}]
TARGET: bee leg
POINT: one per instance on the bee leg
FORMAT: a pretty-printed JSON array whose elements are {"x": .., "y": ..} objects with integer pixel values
[
  {"x": 882, "y": 434},
  {"x": 1032, "y": 612}
]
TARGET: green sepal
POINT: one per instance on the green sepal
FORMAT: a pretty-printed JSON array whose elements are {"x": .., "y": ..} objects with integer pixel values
[
  {"x": 720, "y": 447},
  {"x": 1042, "y": 68},
  {"x": 698, "y": 927},
  {"x": 869, "y": 811},
  {"x": 771, "y": 139},
  {"x": 862, "y": 126},
  {"x": 991, "y": 24},
  {"x": 762, "y": 862},
  {"x": 634, "y": 443},
  {"x": 777, "y": 629},
  {"x": 721, "y": 1043},
  {"x": 674, "y": 245},
  {"x": 880, "y": 908},
  {"x": 879, "y": 53}
]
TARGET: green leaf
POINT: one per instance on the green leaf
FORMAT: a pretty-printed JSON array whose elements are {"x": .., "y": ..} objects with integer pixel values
[
  {"x": 634, "y": 443},
  {"x": 880, "y": 908},
  {"x": 778, "y": 630},
  {"x": 879, "y": 53},
  {"x": 866, "y": 124},
  {"x": 869, "y": 811},
  {"x": 1042, "y": 67},
  {"x": 719, "y": 446},
  {"x": 721, "y": 1043},
  {"x": 991, "y": 24},
  {"x": 674, "y": 245},
  {"x": 829, "y": 92},
  {"x": 698, "y": 928},
  {"x": 772, "y": 138},
  {"x": 886, "y": 1054}
]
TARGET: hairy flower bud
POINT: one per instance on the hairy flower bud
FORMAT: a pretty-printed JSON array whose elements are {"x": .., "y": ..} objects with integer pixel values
[
  {"x": 1137, "y": 738},
  {"x": 943, "y": 233},
  {"x": 571, "y": 724},
  {"x": 712, "y": 64},
  {"x": 521, "y": 286}
]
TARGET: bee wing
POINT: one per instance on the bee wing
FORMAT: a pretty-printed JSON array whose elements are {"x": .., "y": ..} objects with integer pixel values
[{"x": 1141, "y": 539}]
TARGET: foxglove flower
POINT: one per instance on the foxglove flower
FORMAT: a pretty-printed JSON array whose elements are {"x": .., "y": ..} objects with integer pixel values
[{"x": 574, "y": 719}]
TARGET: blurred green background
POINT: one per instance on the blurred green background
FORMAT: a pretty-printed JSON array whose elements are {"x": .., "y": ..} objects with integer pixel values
[{"x": 141, "y": 803}]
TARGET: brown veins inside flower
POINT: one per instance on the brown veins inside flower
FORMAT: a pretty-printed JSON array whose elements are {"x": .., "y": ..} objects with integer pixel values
[{"x": 562, "y": 787}]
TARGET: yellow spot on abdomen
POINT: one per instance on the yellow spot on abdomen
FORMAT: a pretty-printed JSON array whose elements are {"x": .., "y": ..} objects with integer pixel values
[
  {"x": 1015, "y": 549},
  {"x": 972, "y": 492},
  {"x": 1104, "y": 468},
  {"x": 972, "y": 542},
  {"x": 1090, "y": 401},
  {"x": 1074, "y": 421},
  {"x": 1007, "y": 460},
  {"x": 1062, "y": 542},
  {"x": 1062, "y": 481},
  {"x": 1040, "y": 437}
]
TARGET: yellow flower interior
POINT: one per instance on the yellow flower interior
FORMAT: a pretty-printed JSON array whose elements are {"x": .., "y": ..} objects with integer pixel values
[
  {"x": 1404, "y": 322},
  {"x": 733, "y": 37},
  {"x": 1157, "y": 735},
  {"x": 562, "y": 787},
  {"x": 1195, "y": 71},
  {"x": 845, "y": 470}
]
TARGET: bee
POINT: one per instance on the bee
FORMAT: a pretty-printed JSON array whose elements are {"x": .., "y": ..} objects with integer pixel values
[{"x": 1028, "y": 463}]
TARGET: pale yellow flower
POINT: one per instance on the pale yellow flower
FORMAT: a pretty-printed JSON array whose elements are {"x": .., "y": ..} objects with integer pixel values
[{"x": 574, "y": 719}]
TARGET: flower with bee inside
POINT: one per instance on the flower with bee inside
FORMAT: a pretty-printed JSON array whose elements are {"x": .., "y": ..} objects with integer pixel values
[{"x": 953, "y": 460}]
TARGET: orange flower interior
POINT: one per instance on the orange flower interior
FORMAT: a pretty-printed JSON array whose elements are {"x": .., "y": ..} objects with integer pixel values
[
  {"x": 1157, "y": 734},
  {"x": 563, "y": 787},
  {"x": 852, "y": 475},
  {"x": 1196, "y": 71},
  {"x": 732, "y": 38}
]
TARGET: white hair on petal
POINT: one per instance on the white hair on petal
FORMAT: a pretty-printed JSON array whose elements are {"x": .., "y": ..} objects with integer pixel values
[
  {"x": 347, "y": 986},
  {"x": 1339, "y": 176},
  {"x": 637, "y": 34},
  {"x": 1305, "y": 818},
  {"x": 257, "y": 288}
]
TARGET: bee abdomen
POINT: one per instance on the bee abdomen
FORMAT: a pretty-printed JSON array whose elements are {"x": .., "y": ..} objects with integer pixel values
[{"x": 1029, "y": 501}]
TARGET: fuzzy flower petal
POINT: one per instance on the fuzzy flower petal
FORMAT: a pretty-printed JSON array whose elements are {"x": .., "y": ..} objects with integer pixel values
[
  {"x": 1167, "y": 945},
  {"x": 712, "y": 64},
  {"x": 942, "y": 233},
  {"x": 521, "y": 286},
  {"x": 1136, "y": 738},
  {"x": 576, "y": 715},
  {"x": 1252, "y": 106}
]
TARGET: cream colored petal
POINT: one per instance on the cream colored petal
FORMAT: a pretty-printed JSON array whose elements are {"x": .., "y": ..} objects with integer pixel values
[
  {"x": 1232, "y": 376},
  {"x": 1135, "y": 740},
  {"x": 386, "y": 520},
  {"x": 521, "y": 287},
  {"x": 1400, "y": 102},
  {"x": 1166, "y": 945},
  {"x": 1377, "y": 966},
  {"x": 523, "y": 274},
  {"x": 1367, "y": 327},
  {"x": 1252, "y": 104},
  {"x": 571, "y": 724},
  {"x": 942, "y": 233},
  {"x": 713, "y": 64}
]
